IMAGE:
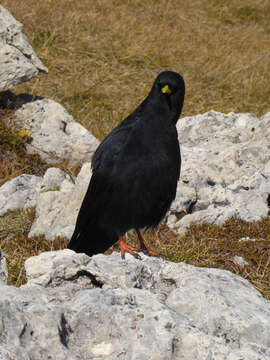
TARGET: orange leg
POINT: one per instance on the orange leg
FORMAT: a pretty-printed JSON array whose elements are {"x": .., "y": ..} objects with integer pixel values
[
  {"x": 124, "y": 247},
  {"x": 143, "y": 246}
]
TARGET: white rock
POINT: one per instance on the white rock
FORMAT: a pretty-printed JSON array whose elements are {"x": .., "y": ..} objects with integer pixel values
[
  {"x": 57, "y": 208},
  {"x": 225, "y": 169},
  {"x": 18, "y": 60},
  {"x": 56, "y": 197},
  {"x": 19, "y": 193},
  {"x": 55, "y": 136},
  {"x": 52, "y": 179},
  {"x": 76, "y": 307},
  {"x": 3, "y": 268}
]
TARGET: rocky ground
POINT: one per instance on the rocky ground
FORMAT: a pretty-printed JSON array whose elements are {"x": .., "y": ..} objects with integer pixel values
[{"x": 76, "y": 307}]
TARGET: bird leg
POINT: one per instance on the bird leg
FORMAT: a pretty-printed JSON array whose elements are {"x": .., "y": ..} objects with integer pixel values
[
  {"x": 124, "y": 247},
  {"x": 143, "y": 246}
]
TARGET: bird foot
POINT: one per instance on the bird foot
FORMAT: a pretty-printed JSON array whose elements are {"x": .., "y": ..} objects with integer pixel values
[
  {"x": 152, "y": 253},
  {"x": 130, "y": 249},
  {"x": 134, "y": 251},
  {"x": 144, "y": 248}
]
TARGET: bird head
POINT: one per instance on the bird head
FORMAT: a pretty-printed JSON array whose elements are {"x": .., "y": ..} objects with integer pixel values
[{"x": 169, "y": 91}]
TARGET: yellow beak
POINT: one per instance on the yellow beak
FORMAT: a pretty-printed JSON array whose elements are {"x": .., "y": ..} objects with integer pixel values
[{"x": 166, "y": 90}]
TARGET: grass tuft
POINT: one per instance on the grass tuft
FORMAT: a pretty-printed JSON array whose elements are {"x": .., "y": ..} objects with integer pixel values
[
  {"x": 14, "y": 160},
  {"x": 17, "y": 247}
]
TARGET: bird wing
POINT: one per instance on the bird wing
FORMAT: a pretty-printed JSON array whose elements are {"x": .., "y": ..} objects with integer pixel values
[
  {"x": 110, "y": 148},
  {"x": 107, "y": 153},
  {"x": 91, "y": 236}
]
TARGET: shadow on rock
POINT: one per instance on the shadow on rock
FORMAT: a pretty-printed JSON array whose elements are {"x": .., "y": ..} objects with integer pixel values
[{"x": 11, "y": 101}]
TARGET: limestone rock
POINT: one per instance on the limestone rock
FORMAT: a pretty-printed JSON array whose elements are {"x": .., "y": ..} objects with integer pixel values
[
  {"x": 3, "y": 268},
  {"x": 225, "y": 169},
  {"x": 55, "y": 136},
  {"x": 58, "y": 207},
  {"x": 19, "y": 193},
  {"x": 52, "y": 180},
  {"x": 18, "y": 60},
  {"x": 56, "y": 196},
  {"x": 76, "y": 307}
]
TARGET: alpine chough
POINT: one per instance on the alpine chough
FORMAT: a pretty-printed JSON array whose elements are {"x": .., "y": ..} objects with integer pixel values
[{"x": 135, "y": 172}]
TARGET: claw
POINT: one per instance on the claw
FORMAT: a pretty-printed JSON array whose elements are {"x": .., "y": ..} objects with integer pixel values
[
  {"x": 153, "y": 253},
  {"x": 137, "y": 256},
  {"x": 126, "y": 248},
  {"x": 144, "y": 248},
  {"x": 133, "y": 250},
  {"x": 149, "y": 252}
]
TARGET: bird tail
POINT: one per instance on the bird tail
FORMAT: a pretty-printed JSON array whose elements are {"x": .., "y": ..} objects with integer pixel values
[{"x": 91, "y": 241}]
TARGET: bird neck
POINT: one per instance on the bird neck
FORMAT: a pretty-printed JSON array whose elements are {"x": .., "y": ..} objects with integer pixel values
[{"x": 161, "y": 110}]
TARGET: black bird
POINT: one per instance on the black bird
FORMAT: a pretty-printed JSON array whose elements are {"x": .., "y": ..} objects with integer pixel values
[{"x": 135, "y": 172}]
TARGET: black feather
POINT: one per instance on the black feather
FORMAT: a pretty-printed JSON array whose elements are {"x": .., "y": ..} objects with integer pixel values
[{"x": 135, "y": 171}]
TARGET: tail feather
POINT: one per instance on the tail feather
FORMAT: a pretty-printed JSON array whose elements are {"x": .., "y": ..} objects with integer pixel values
[{"x": 91, "y": 241}]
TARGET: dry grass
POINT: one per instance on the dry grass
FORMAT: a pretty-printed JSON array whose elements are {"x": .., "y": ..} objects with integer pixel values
[
  {"x": 14, "y": 228},
  {"x": 102, "y": 57}
]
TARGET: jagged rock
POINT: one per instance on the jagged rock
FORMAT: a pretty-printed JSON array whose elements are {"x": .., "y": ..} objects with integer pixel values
[
  {"x": 55, "y": 136},
  {"x": 225, "y": 169},
  {"x": 57, "y": 208},
  {"x": 18, "y": 61},
  {"x": 19, "y": 193},
  {"x": 76, "y": 307},
  {"x": 23, "y": 191},
  {"x": 52, "y": 180},
  {"x": 56, "y": 196},
  {"x": 3, "y": 268}
]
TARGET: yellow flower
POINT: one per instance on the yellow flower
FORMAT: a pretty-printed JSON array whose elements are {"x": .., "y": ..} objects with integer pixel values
[{"x": 24, "y": 132}]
